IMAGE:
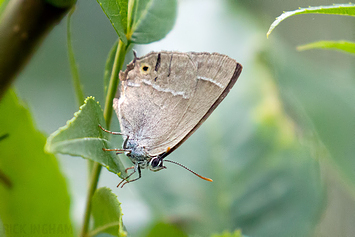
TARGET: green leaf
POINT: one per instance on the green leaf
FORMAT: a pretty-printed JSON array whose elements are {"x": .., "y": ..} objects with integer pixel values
[
  {"x": 342, "y": 45},
  {"x": 236, "y": 233},
  {"x": 150, "y": 20},
  {"x": 116, "y": 12},
  {"x": 34, "y": 200},
  {"x": 337, "y": 9},
  {"x": 161, "y": 229},
  {"x": 107, "y": 213},
  {"x": 81, "y": 136},
  {"x": 140, "y": 21},
  {"x": 4, "y": 136}
]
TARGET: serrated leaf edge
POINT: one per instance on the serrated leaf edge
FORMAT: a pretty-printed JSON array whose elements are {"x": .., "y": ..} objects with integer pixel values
[
  {"x": 70, "y": 121},
  {"x": 308, "y": 10},
  {"x": 121, "y": 231}
]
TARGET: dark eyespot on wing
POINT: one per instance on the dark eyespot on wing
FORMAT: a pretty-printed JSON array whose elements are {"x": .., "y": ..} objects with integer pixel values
[{"x": 157, "y": 65}]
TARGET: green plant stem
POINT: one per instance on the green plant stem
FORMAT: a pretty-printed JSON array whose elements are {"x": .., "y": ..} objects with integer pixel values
[
  {"x": 73, "y": 66},
  {"x": 112, "y": 88},
  {"x": 95, "y": 173},
  {"x": 96, "y": 169},
  {"x": 78, "y": 88}
]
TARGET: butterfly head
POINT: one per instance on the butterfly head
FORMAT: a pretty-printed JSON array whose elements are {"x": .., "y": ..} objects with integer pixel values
[{"x": 156, "y": 164}]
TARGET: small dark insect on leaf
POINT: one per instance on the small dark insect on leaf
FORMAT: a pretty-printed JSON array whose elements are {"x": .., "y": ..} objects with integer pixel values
[
  {"x": 4, "y": 136},
  {"x": 5, "y": 180}
]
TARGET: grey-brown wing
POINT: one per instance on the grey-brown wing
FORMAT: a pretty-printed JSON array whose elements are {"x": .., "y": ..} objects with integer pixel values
[{"x": 162, "y": 106}]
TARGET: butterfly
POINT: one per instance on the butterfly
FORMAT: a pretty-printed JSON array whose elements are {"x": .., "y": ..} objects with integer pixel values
[{"x": 163, "y": 98}]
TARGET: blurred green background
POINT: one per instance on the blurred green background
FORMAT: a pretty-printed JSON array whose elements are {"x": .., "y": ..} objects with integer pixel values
[{"x": 280, "y": 148}]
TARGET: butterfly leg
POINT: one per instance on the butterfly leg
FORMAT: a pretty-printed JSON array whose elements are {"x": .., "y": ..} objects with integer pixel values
[
  {"x": 132, "y": 167},
  {"x": 139, "y": 176},
  {"x": 125, "y": 180},
  {"x": 119, "y": 151},
  {"x": 114, "y": 133}
]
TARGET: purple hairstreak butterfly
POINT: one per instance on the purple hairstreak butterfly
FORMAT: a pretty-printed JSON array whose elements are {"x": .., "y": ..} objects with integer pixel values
[{"x": 163, "y": 98}]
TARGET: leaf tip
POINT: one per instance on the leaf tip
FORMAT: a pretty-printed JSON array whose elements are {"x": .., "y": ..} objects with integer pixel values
[{"x": 89, "y": 98}]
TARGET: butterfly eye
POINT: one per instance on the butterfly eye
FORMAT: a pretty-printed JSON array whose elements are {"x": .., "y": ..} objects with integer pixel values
[
  {"x": 155, "y": 163},
  {"x": 145, "y": 68}
]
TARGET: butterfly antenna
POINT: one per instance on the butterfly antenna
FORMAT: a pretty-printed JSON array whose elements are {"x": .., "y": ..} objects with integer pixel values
[{"x": 176, "y": 163}]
